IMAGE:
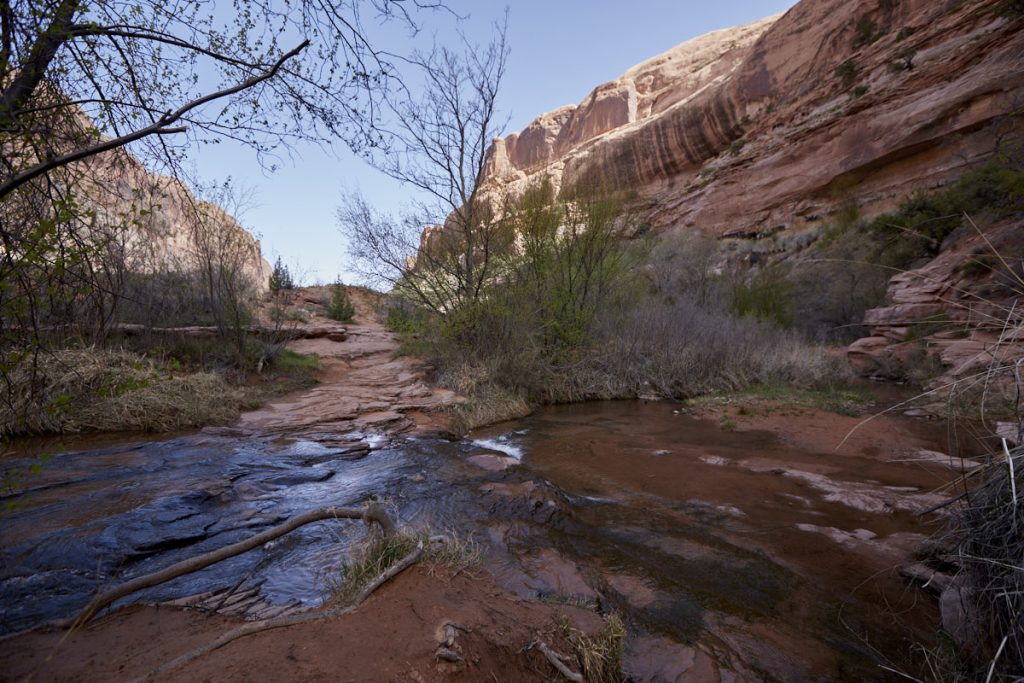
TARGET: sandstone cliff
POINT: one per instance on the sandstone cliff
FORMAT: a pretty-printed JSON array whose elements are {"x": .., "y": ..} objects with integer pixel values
[
  {"x": 758, "y": 134},
  {"x": 760, "y": 110},
  {"x": 169, "y": 228}
]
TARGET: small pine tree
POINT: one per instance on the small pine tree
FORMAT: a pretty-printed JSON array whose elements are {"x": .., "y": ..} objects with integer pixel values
[
  {"x": 340, "y": 307},
  {"x": 281, "y": 278}
]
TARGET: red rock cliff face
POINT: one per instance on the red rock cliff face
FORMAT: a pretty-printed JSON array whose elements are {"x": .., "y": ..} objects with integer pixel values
[
  {"x": 751, "y": 134},
  {"x": 166, "y": 221},
  {"x": 749, "y": 129}
]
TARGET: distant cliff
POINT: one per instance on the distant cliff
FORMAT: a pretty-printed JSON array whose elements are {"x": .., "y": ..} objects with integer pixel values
[
  {"x": 758, "y": 128},
  {"x": 170, "y": 228},
  {"x": 759, "y": 134}
]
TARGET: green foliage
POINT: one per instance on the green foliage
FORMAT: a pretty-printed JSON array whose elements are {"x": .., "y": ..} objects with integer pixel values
[
  {"x": 920, "y": 224},
  {"x": 979, "y": 265},
  {"x": 859, "y": 91},
  {"x": 736, "y": 146},
  {"x": 847, "y": 72},
  {"x": 865, "y": 32},
  {"x": 904, "y": 33},
  {"x": 12, "y": 481},
  {"x": 281, "y": 277},
  {"x": 767, "y": 296},
  {"x": 287, "y": 360},
  {"x": 340, "y": 307},
  {"x": 402, "y": 318}
]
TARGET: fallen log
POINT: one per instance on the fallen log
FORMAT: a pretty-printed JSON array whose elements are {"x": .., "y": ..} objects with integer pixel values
[
  {"x": 332, "y": 332},
  {"x": 372, "y": 513}
]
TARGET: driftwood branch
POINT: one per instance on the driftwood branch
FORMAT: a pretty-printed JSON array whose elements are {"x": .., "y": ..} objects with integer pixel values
[
  {"x": 290, "y": 620},
  {"x": 372, "y": 513},
  {"x": 556, "y": 661}
]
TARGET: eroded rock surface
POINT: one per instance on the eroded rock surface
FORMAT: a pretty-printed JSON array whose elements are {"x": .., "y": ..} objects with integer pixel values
[
  {"x": 365, "y": 391},
  {"x": 759, "y": 111}
]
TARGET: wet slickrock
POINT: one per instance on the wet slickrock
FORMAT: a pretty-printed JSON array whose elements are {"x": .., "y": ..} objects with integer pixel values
[{"x": 363, "y": 388}]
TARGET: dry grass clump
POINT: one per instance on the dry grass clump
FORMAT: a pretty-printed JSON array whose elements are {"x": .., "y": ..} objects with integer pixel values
[
  {"x": 369, "y": 560},
  {"x": 487, "y": 405},
  {"x": 989, "y": 530},
  {"x": 485, "y": 402},
  {"x": 454, "y": 553},
  {"x": 599, "y": 656},
  {"x": 94, "y": 389},
  {"x": 377, "y": 554}
]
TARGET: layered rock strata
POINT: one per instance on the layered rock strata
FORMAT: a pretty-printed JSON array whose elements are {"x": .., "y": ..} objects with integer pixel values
[{"x": 759, "y": 134}]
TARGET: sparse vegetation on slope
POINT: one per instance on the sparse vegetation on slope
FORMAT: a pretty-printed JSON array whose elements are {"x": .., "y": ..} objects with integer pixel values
[{"x": 569, "y": 320}]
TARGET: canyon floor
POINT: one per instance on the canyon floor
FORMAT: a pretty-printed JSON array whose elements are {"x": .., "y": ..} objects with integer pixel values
[{"x": 854, "y": 535}]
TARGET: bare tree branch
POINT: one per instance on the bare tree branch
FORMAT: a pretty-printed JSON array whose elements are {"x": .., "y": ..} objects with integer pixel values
[{"x": 159, "y": 127}]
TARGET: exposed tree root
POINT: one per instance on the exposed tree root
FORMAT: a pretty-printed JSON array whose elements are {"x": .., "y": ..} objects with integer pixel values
[
  {"x": 372, "y": 513},
  {"x": 291, "y": 620},
  {"x": 556, "y": 661}
]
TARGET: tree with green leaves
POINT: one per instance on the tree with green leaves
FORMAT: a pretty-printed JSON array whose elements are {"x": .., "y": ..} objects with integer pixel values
[
  {"x": 340, "y": 306},
  {"x": 280, "y": 277}
]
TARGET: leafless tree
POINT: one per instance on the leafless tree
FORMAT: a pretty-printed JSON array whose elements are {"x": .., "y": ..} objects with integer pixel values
[
  {"x": 79, "y": 78},
  {"x": 91, "y": 85},
  {"x": 443, "y": 251}
]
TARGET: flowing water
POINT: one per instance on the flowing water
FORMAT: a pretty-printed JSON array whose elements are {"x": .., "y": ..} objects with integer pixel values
[{"x": 730, "y": 550}]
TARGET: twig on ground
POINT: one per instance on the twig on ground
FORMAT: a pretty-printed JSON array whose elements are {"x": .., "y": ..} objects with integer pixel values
[{"x": 556, "y": 661}]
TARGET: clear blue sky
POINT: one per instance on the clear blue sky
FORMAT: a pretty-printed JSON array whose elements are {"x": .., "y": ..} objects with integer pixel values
[{"x": 560, "y": 50}]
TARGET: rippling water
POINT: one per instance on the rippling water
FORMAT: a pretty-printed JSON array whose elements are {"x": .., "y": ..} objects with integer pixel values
[{"x": 700, "y": 537}]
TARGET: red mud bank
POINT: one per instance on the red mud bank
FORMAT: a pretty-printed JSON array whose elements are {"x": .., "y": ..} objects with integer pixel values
[{"x": 394, "y": 636}]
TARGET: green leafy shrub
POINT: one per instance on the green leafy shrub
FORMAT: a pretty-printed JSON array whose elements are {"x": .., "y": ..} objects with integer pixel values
[
  {"x": 736, "y": 145},
  {"x": 865, "y": 32},
  {"x": 904, "y": 33},
  {"x": 847, "y": 72},
  {"x": 340, "y": 306},
  {"x": 767, "y": 297},
  {"x": 281, "y": 277},
  {"x": 920, "y": 224}
]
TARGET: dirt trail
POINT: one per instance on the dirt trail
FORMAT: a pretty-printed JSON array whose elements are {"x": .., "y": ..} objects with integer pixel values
[{"x": 364, "y": 389}]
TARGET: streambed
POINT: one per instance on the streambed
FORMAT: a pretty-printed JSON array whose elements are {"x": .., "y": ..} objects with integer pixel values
[{"x": 733, "y": 553}]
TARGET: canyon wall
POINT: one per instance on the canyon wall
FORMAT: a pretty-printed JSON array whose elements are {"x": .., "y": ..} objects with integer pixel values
[
  {"x": 750, "y": 130},
  {"x": 168, "y": 228},
  {"x": 758, "y": 134}
]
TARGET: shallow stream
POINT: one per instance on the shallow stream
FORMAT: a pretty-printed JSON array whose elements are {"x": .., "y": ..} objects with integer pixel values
[{"x": 727, "y": 550}]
